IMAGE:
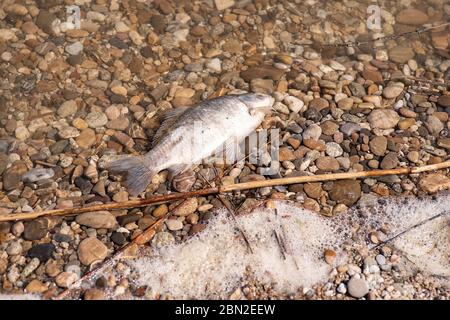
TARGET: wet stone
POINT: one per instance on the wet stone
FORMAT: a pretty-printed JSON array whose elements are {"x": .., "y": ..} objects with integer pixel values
[
  {"x": 59, "y": 237},
  {"x": 383, "y": 118},
  {"x": 59, "y": 146},
  {"x": 91, "y": 250},
  {"x": 411, "y": 16},
  {"x": 345, "y": 191},
  {"x": 38, "y": 174},
  {"x": 400, "y": 54},
  {"x": 83, "y": 184},
  {"x": 378, "y": 145},
  {"x": 35, "y": 230},
  {"x": 42, "y": 251},
  {"x": 118, "y": 238},
  {"x": 96, "y": 119},
  {"x": 12, "y": 176},
  {"x": 97, "y": 219},
  {"x": 390, "y": 161}
]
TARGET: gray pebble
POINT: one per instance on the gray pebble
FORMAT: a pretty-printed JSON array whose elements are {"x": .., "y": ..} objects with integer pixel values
[
  {"x": 38, "y": 174},
  {"x": 357, "y": 288}
]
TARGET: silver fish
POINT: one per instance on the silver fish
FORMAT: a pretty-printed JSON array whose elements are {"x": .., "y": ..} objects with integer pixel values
[{"x": 189, "y": 134}]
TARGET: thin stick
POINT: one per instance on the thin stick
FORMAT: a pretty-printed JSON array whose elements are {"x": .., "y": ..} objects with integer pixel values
[
  {"x": 232, "y": 212},
  {"x": 409, "y": 229},
  {"x": 159, "y": 199},
  {"x": 332, "y": 176},
  {"x": 223, "y": 189},
  {"x": 141, "y": 239}
]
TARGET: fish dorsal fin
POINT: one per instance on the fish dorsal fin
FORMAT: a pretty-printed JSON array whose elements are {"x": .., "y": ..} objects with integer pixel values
[{"x": 168, "y": 120}]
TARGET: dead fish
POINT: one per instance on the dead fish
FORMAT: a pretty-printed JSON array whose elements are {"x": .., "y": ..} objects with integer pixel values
[{"x": 190, "y": 134}]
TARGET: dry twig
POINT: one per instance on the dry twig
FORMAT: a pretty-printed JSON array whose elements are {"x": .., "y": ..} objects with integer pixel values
[{"x": 158, "y": 199}]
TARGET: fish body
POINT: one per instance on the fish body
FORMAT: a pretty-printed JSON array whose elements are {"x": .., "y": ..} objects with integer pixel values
[{"x": 189, "y": 135}]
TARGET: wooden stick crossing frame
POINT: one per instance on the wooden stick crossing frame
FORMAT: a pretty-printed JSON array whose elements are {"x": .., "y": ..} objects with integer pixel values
[{"x": 159, "y": 199}]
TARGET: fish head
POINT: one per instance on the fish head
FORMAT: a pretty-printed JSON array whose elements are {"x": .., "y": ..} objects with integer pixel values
[{"x": 258, "y": 104}]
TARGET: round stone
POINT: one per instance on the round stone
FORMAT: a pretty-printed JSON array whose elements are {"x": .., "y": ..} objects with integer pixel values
[
  {"x": 313, "y": 132},
  {"x": 91, "y": 250},
  {"x": 345, "y": 191},
  {"x": 96, "y": 119},
  {"x": 174, "y": 224},
  {"x": 68, "y": 108},
  {"x": 393, "y": 91},
  {"x": 357, "y": 288},
  {"x": 333, "y": 149},
  {"x": 383, "y": 118}
]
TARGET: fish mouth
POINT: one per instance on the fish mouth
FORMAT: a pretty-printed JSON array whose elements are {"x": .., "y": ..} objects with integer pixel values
[{"x": 258, "y": 101}]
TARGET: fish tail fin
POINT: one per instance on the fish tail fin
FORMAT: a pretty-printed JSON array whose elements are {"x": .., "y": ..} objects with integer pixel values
[{"x": 139, "y": 172}]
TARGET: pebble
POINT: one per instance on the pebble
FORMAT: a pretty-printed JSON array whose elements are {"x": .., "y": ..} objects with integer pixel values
[
  {"x": 160, "y": 211},
  {"x": 162, "y": 239},
  {"x": 342, "y": 288},
  {"x": 381, "y": 260},
  {"x": 14, "y": 248},
  {"x": 35, "y": 229},
  {"x": 120, "y": 196},
  {"x": 434, "y": 125},
  {"x": 401, "y": 54},
  {"x": 68, "y": 108},
  {"x": 22, "y": 133},
  {"x": 378, "y": 145},
  {"x": 357, "y": 288},
  {"x": 444, "y": 101},
  {"x": 97, "y": 220},
  {"x": 215, "y": 65},
  {"x": 434, "y": 182},
  {"x": 333, "y": 149},
  {"x": 94, "y": 294},
  {"x": 390, "y": 161},
  {"x": 38, "y": 174},
  {"x": 411, "y": 16},
  {"x": 327, "y": 164},
  {"x": 348, "y": 128},
  {"x": 86, "y": 139},
  {"x": 42, "y": 251},
  {"x": 330, "y": 256},
  {"x": 67, "y": 132},
  {"x": 187, "y": 207},
  {"x": 91, "y": 250},
  {"x": 383, "y": 118},
  {"x": 66, "y": 279},
  {"x": 96, "y": 119},
  {"x": 223, "y": 4},
  {"x": 393, "y": 90},
  {"x": 17, "y": 228},
  {"x": 36, "y": 286},
  {"x": 174, "y": 224},
  {"x": 294, "y": 104},
  {"x": 313, "y": 132},
  {"x": 121, "y": 27},
  {"x": 345, "y": 191},
  {"x": 118, "y": 238},
  {"x": 75, "y": 48}
]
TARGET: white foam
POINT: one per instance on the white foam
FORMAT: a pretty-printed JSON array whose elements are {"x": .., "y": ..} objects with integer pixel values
[
  {"x": 19, "y": 297},
  {"x": 214, "y": 263},
  {"x": 427, "y": 245}
]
